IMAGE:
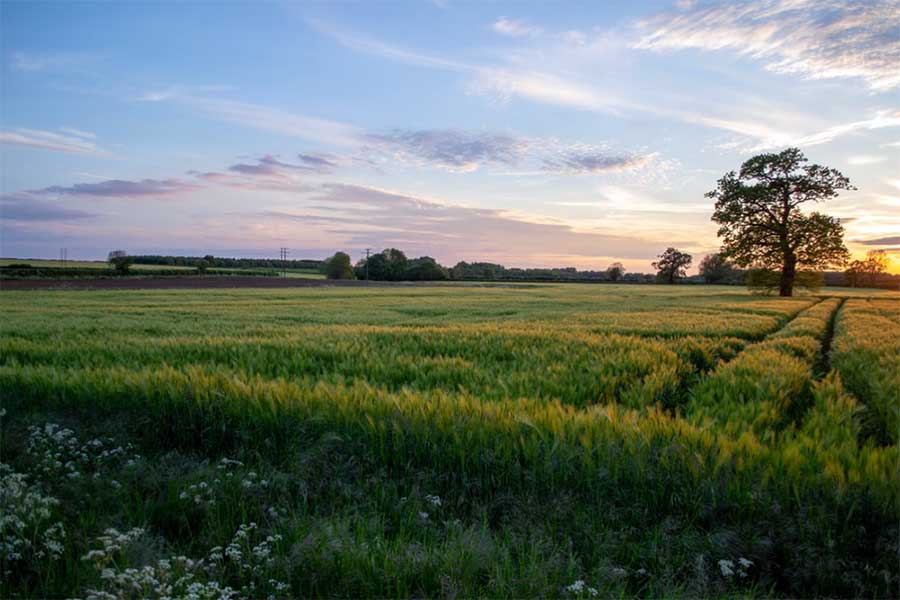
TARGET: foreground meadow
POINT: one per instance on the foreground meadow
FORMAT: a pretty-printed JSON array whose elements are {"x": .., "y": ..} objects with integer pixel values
[{"x": 501, "y": 441}]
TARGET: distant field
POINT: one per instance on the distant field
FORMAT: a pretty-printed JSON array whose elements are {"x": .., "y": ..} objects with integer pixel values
[
  {"x": 81, "y": 264},
  {"x": 86, "y": 264},
  {"x": 473, "y": 441}
]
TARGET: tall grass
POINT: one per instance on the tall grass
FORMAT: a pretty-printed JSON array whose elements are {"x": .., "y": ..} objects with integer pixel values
[
  {"x": 391, "y": 448},
  {"x": 866, "y": 352}
]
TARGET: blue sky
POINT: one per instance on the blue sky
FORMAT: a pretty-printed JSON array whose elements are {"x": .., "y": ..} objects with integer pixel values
[{"x": 531, "y": 134}]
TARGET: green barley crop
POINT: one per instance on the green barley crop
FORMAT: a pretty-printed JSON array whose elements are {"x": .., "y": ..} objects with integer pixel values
[{"x": 479, "y": 441}]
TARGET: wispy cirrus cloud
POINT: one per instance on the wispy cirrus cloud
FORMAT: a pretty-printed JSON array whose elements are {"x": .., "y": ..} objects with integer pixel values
[
  {"x": 372, "y": 46},
  {"x": 587, "y": 162},
  {"x": 120, "y": 188},
  {"x": 46, "y": 61},
  {"x": 462, "y": 150},
  {"x": 569, "y": 71},
  {"x": 451, "y": 149},
  {"x": 261, "y": 117},
  {"x": 757, "y": 137},
  {"x": 503, "y": 84},
  {"x": 79, "y": 133},
  {"x": 515, "y": 28},
  {"x": 546, "y": 81},
  {"x": 25, "y": 207},
  {"x": 812, "y": 38},
  {"x": 73, "y": 142},
  {"x": 270, "y": 166}
]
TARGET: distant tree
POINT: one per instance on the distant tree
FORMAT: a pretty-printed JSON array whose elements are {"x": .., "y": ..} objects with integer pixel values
[
  {"x": 865, "y": 272},
  {"x": 120, "y": 261},
  {"x": 672, "y": 264},
  {"x": 715, "y": 268},
  {"x": 425, "y": 268},
  {"x": 387, "y": 265},
  {"x": 338, "y": 266},
  {"x": 477, "y": 270},
  {"x": 202, "y": 265},
  {"x": 760, "y": 221},
  {"x": 615, "y": 271}
]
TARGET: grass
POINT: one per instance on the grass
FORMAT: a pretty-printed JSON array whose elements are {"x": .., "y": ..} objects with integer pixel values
[{"x": 447, "y": 441}]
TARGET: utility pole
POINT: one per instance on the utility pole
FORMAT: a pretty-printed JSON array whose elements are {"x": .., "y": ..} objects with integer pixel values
[
  {"x": 284, "y": 255},
  {"x": 64, "y": 257},
  {"x": 368, "y": 250}
]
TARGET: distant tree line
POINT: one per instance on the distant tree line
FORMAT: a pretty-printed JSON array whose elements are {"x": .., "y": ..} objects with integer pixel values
[
  {"x": 218, "y": 262},
  {"x": 481, "y": 271},
  {"x": 392, "y": 264}
]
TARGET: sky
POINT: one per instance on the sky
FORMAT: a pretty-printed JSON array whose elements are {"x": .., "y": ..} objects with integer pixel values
[{"x": 533, "y": 134}]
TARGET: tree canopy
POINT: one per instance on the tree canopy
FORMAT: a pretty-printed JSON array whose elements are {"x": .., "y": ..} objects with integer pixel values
[
  {"x": 120, "y": 261},
  {"x": 672, "y": 265},
  {"x": 865, "y": 272},
  {"x": 715, "y": 268},
  {"x": 338, "y": 266},
  {"x": 760, "y": 221},
  {"x": 615, "y": 271}
]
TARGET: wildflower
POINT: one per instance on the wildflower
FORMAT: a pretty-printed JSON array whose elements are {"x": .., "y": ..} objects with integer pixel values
[
  {"x": 26, "y": 527},
  {"x": 726, "y": 567},
  {"x": 434, "y": 500}
]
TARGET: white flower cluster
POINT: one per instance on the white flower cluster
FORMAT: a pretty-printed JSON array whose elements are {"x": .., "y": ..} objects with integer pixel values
[
  {"x": 579, "y": 588},
  {"x": 176, "y": 577},
  {"x": 182, "y": 577},
  {"x": 61, "y": 454},
  {"x": 27, "y": 530},
  {"x": 252, "y": 482},
  {"x": 241, "y": 553},
  {"x": 728, "y": 569},
  {"x": 204, "y": 494},
  {"x": 201, "y": 494}
]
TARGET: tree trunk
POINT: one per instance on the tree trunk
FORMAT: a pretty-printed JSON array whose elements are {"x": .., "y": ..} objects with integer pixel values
[{"x": 788, "y": 271}]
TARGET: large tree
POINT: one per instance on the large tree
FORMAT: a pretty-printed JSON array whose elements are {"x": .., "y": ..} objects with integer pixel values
[
  {"x": 760, "y": 221},
  {"x": 672, "y": 264}
]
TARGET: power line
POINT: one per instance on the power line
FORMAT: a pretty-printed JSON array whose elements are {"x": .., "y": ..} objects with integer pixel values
[{"x": 284, "y": 255}]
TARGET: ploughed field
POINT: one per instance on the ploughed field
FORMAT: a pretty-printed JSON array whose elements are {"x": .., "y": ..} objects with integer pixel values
[{"x": 531, "y": 440}]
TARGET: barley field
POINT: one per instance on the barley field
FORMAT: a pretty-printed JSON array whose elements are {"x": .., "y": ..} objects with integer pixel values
[{"x": 569, "y": 441}]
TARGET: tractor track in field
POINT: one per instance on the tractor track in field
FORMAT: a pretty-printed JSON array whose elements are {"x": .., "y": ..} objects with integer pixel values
[
  {"x": 686, "y": 391},
  {"x": 823, "y": 365}
]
